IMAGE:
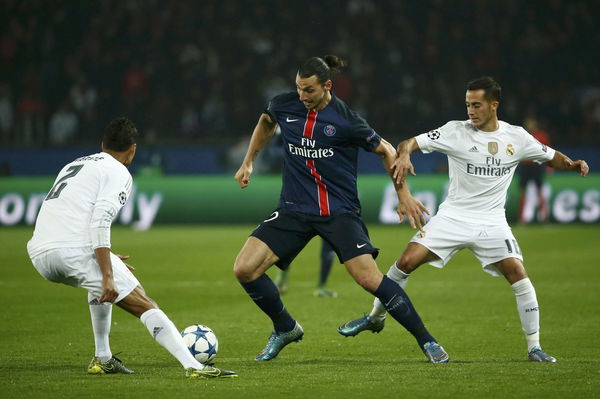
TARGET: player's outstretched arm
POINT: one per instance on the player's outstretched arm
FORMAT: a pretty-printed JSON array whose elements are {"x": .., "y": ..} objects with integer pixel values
[
  {"x": 408, "y": 206},
  {"x": 109, "y": 290},
  {"x": 402, "y": 164},
  {"x": 563, "y": 162},
  {"x": 264, "y": 130}
]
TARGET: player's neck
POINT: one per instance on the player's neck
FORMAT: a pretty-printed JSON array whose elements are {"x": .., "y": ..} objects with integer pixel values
[
  {"x": 324, "y": 103},
  {"x": 119, "y": 156},
  {"x": 491, "y": 126}
]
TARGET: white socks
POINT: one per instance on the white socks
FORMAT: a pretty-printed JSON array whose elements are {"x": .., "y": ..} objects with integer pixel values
[
  {"x": 101, "y": 314},
  {"x": 165, "y": 333},
  {"x": 378, "y": 312},
  {"x": 527, "y": 306}
]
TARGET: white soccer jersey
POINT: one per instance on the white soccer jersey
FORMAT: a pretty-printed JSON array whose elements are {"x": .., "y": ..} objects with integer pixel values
[
  {"x": 481, "y": 166},
  {"x": 82, "y": 188}
]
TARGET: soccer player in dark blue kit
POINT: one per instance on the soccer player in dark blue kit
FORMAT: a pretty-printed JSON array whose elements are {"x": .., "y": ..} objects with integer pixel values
[{"x": 321, "y": 139}]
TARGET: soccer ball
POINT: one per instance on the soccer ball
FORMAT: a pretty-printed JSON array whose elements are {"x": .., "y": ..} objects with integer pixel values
[{"x": 201, "y": 341}]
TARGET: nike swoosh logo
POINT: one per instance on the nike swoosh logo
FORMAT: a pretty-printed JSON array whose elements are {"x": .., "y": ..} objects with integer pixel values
[
  {"x": 360, "y": 245},
  {"x": 274, "y": 215},
  {"x": 390, "y": 301},
  {"x": 291, "y": 120}
]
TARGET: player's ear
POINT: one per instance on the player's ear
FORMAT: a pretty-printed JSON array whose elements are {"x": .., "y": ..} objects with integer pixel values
[
  {"x": 328, "y": 85},
  {"x": 495, "y": 105}
]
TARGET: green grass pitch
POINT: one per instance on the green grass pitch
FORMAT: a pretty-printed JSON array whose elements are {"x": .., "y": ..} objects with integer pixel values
[{"x": 46, "y": 339}]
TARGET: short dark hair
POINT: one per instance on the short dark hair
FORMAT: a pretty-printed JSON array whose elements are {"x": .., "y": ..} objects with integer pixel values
[
  {"x": 491, "y": 88},
  {"x": 324, "y": 67},
  {"x": 120, "y": 134}
]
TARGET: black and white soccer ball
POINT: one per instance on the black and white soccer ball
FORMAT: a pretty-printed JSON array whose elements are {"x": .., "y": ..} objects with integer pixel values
[{"x": 201, "y": 341}]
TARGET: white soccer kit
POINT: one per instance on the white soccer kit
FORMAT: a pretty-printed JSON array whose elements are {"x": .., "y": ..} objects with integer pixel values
[
  {"x": 75, "y": 219},
  {"x": 481, "y": 166}
]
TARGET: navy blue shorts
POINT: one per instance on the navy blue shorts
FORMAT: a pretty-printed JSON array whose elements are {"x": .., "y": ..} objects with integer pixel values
[{"x": 287, "y": 233}]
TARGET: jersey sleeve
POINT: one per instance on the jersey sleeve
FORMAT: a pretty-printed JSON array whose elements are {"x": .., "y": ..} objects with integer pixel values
[
  {"x": 533, "y": 150},
  {"x": 274, "y": 106},
  {"x": 441, "y": 139},
  {"x": 362, "y": 134},
  {"x": 114, "y": 190}
]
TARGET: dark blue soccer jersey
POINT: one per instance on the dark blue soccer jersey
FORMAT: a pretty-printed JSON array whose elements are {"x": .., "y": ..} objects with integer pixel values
[{"x": 321, "y": 152}]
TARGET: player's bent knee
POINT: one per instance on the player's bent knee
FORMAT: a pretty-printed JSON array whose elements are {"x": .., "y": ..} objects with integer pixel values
[
  {"x": 407, "y": 263},
  {"x": 244, "y": 271},
  {"x": 137, "y": 302},
  {"x": 368, "y": 282}
]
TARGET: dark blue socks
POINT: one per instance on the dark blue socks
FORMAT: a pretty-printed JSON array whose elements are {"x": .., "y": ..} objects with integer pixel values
[
  {"x": 396, "y": 302},
  {"x": 265, "y": 294}
]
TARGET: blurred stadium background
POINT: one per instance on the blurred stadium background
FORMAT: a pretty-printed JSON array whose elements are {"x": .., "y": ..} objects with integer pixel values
[{"x": 195, "y": 75}]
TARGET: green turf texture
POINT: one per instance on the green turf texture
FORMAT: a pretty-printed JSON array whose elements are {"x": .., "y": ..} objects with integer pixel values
[{"x": 46, "y": 339}]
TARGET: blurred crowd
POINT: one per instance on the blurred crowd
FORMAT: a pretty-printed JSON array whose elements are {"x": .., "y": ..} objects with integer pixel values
[{"x": 202, "y": 71}]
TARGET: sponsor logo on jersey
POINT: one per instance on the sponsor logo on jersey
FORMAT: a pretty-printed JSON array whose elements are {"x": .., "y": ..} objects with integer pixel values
[
  {"x": 493, "y": 147},
  {"x": 544, "y": 148},
  {"x": 510, "y": 150},
  {"x": 487, "y": 170},
  {"x": 473, "y": 149},
  {"x": 310, "y": 152},
  {"x": 329, "y": 130},
  {"x": 433, "y": 134}
]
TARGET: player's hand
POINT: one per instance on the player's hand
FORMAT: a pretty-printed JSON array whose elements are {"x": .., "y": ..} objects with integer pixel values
[
  {"x": 578, "y": 166},
  {"x": 401, "y": 167},
  {"x": 109, "y": 290},
  {"x": 411, "y": 208},
  {"x": 243, "y": 175},
  {"x": 125, "y": 257}
]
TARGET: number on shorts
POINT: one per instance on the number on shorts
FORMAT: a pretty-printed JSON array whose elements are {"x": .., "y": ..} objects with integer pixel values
[
  {"x": 514, "y": 245},
  {"x": 61, "y": 184}
]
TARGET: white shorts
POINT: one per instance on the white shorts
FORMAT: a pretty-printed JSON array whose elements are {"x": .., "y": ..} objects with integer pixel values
[
  {"x": 78, "y": 267},
  {"x": 445, "y": 236}
]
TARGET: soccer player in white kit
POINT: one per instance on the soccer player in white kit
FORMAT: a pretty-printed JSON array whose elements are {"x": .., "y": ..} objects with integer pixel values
[
  {"x": 483, "y": 153},
  {"x": 71, "y": 245}
]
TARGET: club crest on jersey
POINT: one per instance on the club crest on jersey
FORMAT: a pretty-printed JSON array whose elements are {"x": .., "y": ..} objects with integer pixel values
[
  {"x": 510, "y": 150},
  {"x": 329, "y": 130},
  {"x": 493, "y": 147},
  {"x": 433, "y": 134},
  {"x": 122, "y": 198}
]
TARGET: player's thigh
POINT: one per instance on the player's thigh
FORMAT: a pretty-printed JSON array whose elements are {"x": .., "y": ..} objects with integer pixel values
[
  {"x": 78, "y": 267},
  {"x": 91, "y": 276},
  {"x": 285, "y": 234},
  {"x": 364, "y": 271},
  {"x": 497, "y": 245},
  {"x": 443, "y": 237},
  {"x": 253, "y": 260},
  {"x": 347, "y": 235},
  {"x": 59, "y": 266}
]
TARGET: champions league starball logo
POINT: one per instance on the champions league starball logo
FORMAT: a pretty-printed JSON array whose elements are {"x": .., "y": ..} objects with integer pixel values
[
  {"x": 329, "y": 130},
  {"x": 434, "y": 134},
  {"x": 122, "y": 198}
]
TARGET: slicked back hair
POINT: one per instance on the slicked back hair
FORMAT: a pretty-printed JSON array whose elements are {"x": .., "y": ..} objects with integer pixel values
[
  {"x": 324, "y": 67},
  {"x": 491, "y": 88}
]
